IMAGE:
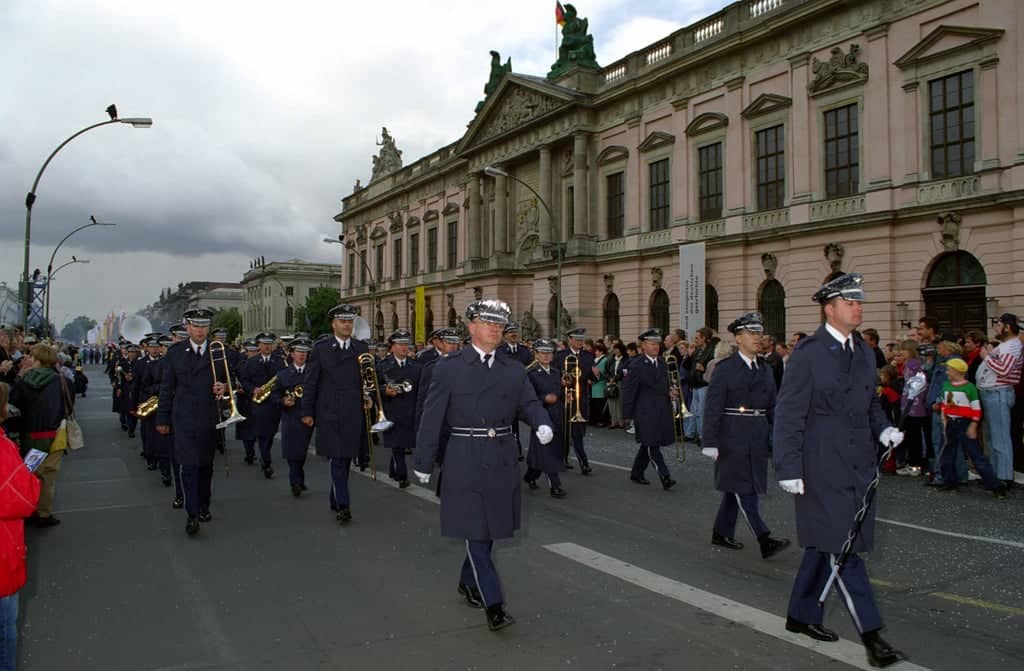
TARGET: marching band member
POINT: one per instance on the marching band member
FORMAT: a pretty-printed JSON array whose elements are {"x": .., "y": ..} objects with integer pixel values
[
  {"x": 333, "y": 402},
  {"x": 547, "y": 383},
  {"x": 578, "y": 430},
  {"x": 157, "y": 446},
  {"x": 512, "y": 347},
  {"x": 827, "y": 419},
  {"x": 446, "y": 342},
  {"x": 395, "y": 373},
  {"x": 264, "y": 416},
  {"x": 647, "y": 401},
  {"x": 289, "y": 394},
  {"x": 737, "y": 423},
  {"x": 189, "y": 411},
  {"x": 478, "y": 396},
  {"x": 126, "y": 397}
]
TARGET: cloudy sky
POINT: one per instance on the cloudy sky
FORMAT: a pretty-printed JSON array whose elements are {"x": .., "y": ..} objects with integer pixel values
[{"x": 264, "y": 114}]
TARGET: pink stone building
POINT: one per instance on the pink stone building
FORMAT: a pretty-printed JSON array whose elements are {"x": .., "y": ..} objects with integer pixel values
[{"x": 796, "y": 138}]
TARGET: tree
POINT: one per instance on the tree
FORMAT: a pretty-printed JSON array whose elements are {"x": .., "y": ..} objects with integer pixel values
[
  {"x": 230, "y": 319},
  {"x": 77, "y": 329},
  {"x": 312, "y": 316}
]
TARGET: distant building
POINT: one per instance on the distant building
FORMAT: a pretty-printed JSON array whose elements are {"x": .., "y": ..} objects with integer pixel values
[
  {"x": 797, "y": 139},
  {"x": 10, "y": 312},
  {"x": 173, "y": 302},
  {"x": 272, "y": 291}
]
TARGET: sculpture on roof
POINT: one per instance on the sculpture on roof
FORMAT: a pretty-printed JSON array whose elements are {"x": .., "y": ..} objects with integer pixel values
[
  {"x": 389, "y": 159},
  {"x": 577, "y": 48},
  {"x": 498, "y": 71}
]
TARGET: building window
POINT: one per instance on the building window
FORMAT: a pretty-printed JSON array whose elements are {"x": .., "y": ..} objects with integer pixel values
[
  {"x": 311, "y": 291},
  {"x": 772, "y": 305},
  {"x": 453, "y": 245},
  {"x": 842, "y": 157},
  {"x": 396, "y": 259},
  {"x": 378, "y": 269},
  {"x": 289, "y": 291},
  {"x": 428, "y": 320},
  {"x": 431, "y": 250},
  {"x": 951, "y": 109},
  {"x": 570, "y": 208},
  {"x": 362, "y": 268},
  {"x": 771, "y": 168},
  {"x": 709, "y": 171},
  {"x": 616, "y": 206},
  {"x": 710, "y": 307},
  {"x": 611, "y": 315},
  {"x": 414, "y": 253},
  {"x": 351, "y": 270},
  {"x": 659, "y": 203},
  {"x": 289, "y": 315},
  {"x": 660, "y": 314}
]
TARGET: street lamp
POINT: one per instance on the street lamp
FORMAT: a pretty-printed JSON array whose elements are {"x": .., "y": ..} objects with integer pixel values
[
  {"x": 556, "y": 238},
  {"x": 30, "y": 198},
  {"x": 49, "y": 266},
  {"x": 374, "y": 307},
  {"x": 49, "y": 288}
]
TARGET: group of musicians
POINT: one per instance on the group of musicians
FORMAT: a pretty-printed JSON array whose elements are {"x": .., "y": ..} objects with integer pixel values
[{"x": 458, "y": 408}]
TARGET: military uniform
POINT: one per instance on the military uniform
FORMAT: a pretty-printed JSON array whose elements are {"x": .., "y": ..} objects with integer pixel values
[
  {"x": 450, "y": 337},
  {"x": 265, "y": 417},
  {"x": 547, "y": 459},
  {"x": 577, "y": 430},
  {"x": 295, "y": 435},
  {"x": 647, "y": 401},
  {"x": 158, "y": 446},
  {"x": 478, "y": 396},
  {"x": 401, "y": 409},
  {"x": 827, "y": 419}
]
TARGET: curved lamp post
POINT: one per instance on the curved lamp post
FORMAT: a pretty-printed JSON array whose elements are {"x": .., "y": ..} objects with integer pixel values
[
  {"x": 30, "y": 198},
  {"x": 374, "y": 307},
  {"x": 49, "y": 266},
  {"x": 49, "y": 279},
  {"x": 556, "y": 238}
]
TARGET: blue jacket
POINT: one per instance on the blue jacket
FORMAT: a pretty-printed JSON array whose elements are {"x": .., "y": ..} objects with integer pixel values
[
  {"x": 188, "y": 405},
  {"x": 295, "y": 435},
  {"x": 333, "y": 397},
  {"x": 522, "y": 353},
  {"x": 646, "y": 400},
  {"x": 263, "y": 418},
  {"x": 548, "y": 458}
]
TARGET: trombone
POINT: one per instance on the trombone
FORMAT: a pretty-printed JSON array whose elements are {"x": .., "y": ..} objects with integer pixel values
[
  {"x": 371, "y": 392},
  {"x": 572, "y": 415},
  {"x": 230, "y": 413},
  {"x": 679, "y": 409}
]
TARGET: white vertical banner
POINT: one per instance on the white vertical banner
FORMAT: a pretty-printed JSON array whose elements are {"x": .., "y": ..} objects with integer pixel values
[{"x": 691, "y": 287}]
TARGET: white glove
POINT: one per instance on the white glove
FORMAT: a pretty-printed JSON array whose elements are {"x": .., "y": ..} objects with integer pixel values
[
  {"x": 545, "y": 434},
  {"x": 710, "y": 452},
  {"x": 424, "y": 478},
  {"x": 891, "y": 436},
  {"x": 792, "y": 486}
]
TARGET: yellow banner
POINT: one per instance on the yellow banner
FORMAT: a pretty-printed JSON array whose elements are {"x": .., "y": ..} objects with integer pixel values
[{"x": 421, "y": 315}]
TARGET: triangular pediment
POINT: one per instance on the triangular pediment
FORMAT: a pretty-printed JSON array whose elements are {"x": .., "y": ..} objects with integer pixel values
[
  {"x": 450, "y": 208},
  {"x": 766, "y": 103},
  {"x": 611, "y": 154},
  {"x": 946, "y": 40},
  {"x": 656, "y": 139},
  {"x": 519, "y": 101},
  {"x": 708, "y": 121}
]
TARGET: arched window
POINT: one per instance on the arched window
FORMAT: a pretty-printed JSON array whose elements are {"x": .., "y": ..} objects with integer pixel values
[
  {"x": 553, "y": 318},
  {"x": 956, "y": 269},
  {"x": 955, "y": 293},
  {"x": 380, "y": 325},
  {"x": 394, "y": 321},
  {"x": 428, "y": 325},
  {"x": 611, "y": 316},
  {"x": 710, "y": 308},
  {"x": 772, "y": 304},
  {"x": 289, "y": 316},
  {"x": 659, "y": 311}
]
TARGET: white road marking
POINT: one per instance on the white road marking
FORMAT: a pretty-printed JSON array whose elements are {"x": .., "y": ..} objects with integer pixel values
[
  {"x": 99, "y": 508},
  {"x": 414, "y": 490},
  {"x": 984, "y": 539},
  {"x": 843, "y": 651}
]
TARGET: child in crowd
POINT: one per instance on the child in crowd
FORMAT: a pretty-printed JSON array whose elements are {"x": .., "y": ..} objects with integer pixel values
[
  {"x": 961, "y": 414},
  {"x": 889, "y": 384}
]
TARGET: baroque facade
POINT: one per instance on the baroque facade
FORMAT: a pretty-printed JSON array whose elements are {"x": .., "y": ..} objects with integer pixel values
[
  {"x": 796, "y": 138},
  {"x": 272, "y": 291}
]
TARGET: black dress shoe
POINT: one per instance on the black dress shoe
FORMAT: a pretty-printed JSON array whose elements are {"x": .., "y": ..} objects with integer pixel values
[
  {"x": 532, "y": 484},
  {"x": 497, "y": 618},
  {"x": 880, "y": 653},
  {"x": 568, "y": 466},
  {"x": 344, "y": 515},
  {"x": 667, "y": 483},
  {"x": 586, "y": 470},
  {"x": 205, "y": 516},
  {"x": 192, "y": 526},
  {"x": 472, "y": 596},
  {"x": 249, "y": 459},
  {"x": 815, "y": 631},
  {"x": 640, "y": 481},
  {"x": 363, "y": 467},
  {"x": 43, "y": 522},
  {"x": 166, "y": 481},
  {"x": 557, "y": 493},
  {"x": 131, "y": 434},
  {"x": 268, "y": 472},
  {"x": 296, "y": 491},
  {"x": 725, "y": 542},
  {"x": 304, "y": 487},
  {"x": 403, "y": 483},
  {"x": 178, "y": 502},
  {"x": 772, "y": 546}
]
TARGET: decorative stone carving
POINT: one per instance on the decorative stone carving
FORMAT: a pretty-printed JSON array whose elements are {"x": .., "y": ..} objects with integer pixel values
[
  {"x": 708, "y": 121},
  {"x": 656, "y": 139},
  {"x": 553, "y": 284},
  {"x": 950, "y": 224},
  {"x": 378, "y": 233},
  {"x": 357, "y": 187},
  {"x": 839, "y": 70},
  {"x": 361, "y": 233},
  {"x": 478, "y": 293},
  {"x": 766, "y": 103},
  {"x": 396, "y": 220},
  {"x": 518, "y": 106},
  {"x": 429, "y": 215},
  {"x": 498, "y": 72},
  {"x": 528, "y": 224},
  {"x": 834, "y": 253},
  {"x": 450, "y": 208},
  {"x": 577, "y": 47},
  {"x": 770, "y": 265},
  {"x": 389, "y": 159},
  {"x": 612, "y": 154},
  {"x": 656, "y": 276},
  {"x": 609, "y": 283},
  {"x": 451, "y": 301},
  {"x": 528, "y": 324}
]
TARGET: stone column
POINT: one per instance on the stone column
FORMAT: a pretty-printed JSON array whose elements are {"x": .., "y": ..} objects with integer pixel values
[
  {"x": 544, "y": 189},
  {"x": 475, "y": 220},
  {"x": 500, "y": 213},
  {"x": 581, "y": 200}
]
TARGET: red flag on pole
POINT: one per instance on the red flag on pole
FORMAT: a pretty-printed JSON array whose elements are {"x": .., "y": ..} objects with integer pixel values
[{"x": 559, "y": 13}]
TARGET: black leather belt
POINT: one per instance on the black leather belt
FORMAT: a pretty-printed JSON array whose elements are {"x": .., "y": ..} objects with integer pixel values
[
  {"x": 477, "y": 432},
  {"x": 746, "y": 412}
]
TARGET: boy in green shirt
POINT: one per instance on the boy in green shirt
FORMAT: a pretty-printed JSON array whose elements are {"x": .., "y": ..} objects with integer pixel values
[{"x": 961, "y": 413}]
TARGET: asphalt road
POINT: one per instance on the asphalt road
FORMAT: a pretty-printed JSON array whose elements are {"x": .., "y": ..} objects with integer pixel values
[{"x": 616, "y": 576}]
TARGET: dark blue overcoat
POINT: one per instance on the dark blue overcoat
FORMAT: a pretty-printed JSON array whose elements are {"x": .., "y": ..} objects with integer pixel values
[
  {"x": 333, "y": 396},
  {"x": 548, "y": 458},
  {"x": 827, "y": 423},
  {"x": 426, "y": 377},
  {"x": 402, "y": 408},
  {"x": 586, "y": 375},
  {"x": 188, "y": 405},
  {"x": 522, "y": 353},
  {"x": 480, "y": 494},
  {"x": 295, "y": 435},
  {"x": 646, "y": 401},
  {"x": 157, "y": 445},
  {"x": 263, "y": 418},
  {"x": 742, "y": 440}
]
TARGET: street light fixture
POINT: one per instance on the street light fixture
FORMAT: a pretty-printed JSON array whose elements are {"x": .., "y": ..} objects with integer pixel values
[
  {"x": 49, "y": 266},
  {"x": 374, "y": 307},
  {"x": 30, "y": 197},
  {"x": 556, "y": 238}
]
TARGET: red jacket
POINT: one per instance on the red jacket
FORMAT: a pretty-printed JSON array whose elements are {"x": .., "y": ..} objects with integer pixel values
[{"x": 19, "y": 493}]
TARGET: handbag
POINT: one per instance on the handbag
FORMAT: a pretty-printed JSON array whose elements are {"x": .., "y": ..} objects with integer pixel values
[{"x": 74, "y": 437}]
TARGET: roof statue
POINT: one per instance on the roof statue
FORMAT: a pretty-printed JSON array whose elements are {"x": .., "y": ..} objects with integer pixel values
[
  {"x": 389, "y": 159},
  {"x": 577, "y": 48},
  {"x": 498, "y": 71}
]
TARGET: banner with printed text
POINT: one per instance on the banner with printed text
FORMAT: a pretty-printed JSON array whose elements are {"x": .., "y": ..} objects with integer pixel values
[{"x": 692, "y": 281}]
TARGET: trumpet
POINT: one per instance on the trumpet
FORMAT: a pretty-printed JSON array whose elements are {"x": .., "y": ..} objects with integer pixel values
[
  {"x": 147, "y": 407},
  {"x": 405, "y": 386},
  {"x": 679, "y": 409},
  {"x": 262, "y": 392},
  {"x": 230, "y": 413}
]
